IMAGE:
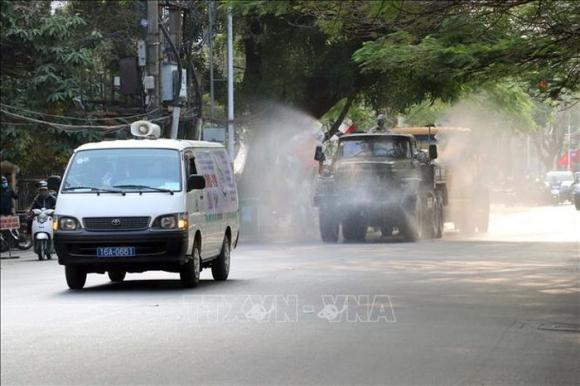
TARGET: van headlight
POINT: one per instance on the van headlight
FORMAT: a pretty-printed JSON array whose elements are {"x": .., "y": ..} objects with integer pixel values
[
  {"x": 171, "y": 221},
  {"x": 68, "y": 223}
]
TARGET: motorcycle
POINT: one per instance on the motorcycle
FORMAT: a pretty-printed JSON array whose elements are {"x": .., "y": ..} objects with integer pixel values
[
  {"x": 12, "y": 238},
  {"x": 42, "y": 233},
  {"x": 577, "y": 195},
  {"x": 555, "y": 197}
]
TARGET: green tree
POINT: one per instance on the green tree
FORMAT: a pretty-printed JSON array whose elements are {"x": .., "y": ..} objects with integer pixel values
[
  {"x": 43, "y": 59},
  {"x": 396, "y": 54}
]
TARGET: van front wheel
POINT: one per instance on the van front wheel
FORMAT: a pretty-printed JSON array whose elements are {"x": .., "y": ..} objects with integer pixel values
[
  {"x": 117, "y": 276},
  {"x": 189, "y": 273},
  {"x": 220, "y": 268},
  {"x": 75, "y": 277}
]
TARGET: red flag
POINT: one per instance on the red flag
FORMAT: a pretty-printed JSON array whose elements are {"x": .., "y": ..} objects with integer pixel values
[{"x": 574, "y": 158}]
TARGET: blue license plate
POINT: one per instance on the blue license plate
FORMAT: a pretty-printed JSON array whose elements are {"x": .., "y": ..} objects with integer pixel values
[{"x": 116, "y": 252}]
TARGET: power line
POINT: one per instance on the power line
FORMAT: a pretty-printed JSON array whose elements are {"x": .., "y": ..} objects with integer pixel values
[
  {"x": 72, "y": 118},
  {"x": 63, "y": 126}
]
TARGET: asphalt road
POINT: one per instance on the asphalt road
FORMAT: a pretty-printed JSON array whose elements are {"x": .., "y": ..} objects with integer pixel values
[{"x": 500, "y": 309}]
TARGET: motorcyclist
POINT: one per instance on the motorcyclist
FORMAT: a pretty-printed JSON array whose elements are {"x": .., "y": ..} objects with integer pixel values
[
  {"x": 7, "y": 195},
  {"x": 42, "y": 200}
]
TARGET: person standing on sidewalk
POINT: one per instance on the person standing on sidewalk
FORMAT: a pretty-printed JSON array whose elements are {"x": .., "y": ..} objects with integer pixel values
[{"x": 7, "y": 195}]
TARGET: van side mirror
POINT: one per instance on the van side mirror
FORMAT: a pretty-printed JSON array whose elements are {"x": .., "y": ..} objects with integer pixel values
[
  {"x": 319, "y": 154},
  {"x": 195, "y": 182},
  {"x": 433, "y": 151},
  {"x": 53, "y": 183}
]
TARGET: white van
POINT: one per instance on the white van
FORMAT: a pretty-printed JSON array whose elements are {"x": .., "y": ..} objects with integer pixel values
[{"x": 146, "y": 204}]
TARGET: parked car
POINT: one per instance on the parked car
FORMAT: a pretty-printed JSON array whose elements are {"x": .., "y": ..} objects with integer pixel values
[
  {"x": 559, "y": 186},
  {"x": 577, "y": 190}
]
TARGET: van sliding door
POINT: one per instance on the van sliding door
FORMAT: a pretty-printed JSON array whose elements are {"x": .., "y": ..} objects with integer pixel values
[
  {"x": 196, "y": 208},
  {"x": 207, "y": 168}
]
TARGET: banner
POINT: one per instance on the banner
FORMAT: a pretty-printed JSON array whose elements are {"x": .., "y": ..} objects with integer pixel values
[{"x": 9, "y": 222}]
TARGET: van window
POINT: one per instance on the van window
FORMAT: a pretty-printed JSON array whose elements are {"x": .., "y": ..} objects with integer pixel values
[
  {"x": 191, "y": 169},
  {"x": 124, "y": 169}
]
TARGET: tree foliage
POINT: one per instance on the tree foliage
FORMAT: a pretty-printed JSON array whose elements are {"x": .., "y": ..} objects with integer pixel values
[
  {"x": 395, "y": 54},
  {"x": 43, "y": 59}
]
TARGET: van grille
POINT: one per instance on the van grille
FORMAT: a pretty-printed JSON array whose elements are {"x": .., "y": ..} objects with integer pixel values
[{"x": 115, "y": 223}]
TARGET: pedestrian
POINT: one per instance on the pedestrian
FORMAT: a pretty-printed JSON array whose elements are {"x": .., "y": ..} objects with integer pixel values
[{"x": 6, "y": 198}]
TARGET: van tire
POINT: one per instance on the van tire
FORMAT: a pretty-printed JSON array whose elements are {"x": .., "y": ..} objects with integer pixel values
[
  {"x": 220, "y": 269},
  {"x": 189, "y": 273},
  {"x": 76, "y": 277},
  {"x": 117, "y": 276}
]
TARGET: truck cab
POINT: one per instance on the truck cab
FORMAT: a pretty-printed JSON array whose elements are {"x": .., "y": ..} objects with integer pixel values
[{"x": 378, "y": 180}]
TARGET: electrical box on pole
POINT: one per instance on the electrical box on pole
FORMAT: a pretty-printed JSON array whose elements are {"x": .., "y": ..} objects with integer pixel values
[
  {"x": 170, "y": 80},
  {"x": 141, "y": 53}
]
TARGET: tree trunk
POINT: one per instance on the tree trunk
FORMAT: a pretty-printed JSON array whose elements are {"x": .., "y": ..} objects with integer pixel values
[{"x": 336, "y": 125}]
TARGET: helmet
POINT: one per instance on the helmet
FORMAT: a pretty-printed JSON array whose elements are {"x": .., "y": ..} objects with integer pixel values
[
  {"x": 42, "y": 185},
  {"x": 381, "y": 119}
]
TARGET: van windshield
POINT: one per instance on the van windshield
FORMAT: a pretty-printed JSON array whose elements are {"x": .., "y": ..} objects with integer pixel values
[{"x": 112, "y": 170}]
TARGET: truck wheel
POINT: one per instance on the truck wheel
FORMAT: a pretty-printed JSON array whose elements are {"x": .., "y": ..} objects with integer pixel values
[
  {"x": 117, "y": 276},
  {"x": 467, "y": 224},
  {"x": 483, "y": 213},
  {"x": 483, "y": 222},
  {"x": 387, "y": 231},
  {"x": 220, "y": 269},
  {"x": 75, "y": 277},
  {"x": 328, "y": 225},
  {"x": 430, "y": 219},
  {"x": 439, "y": 222},
  {"x": 354, "y": 228},
  {"x": 189, "y": 273},
  {"x": 412, "y": 225}
]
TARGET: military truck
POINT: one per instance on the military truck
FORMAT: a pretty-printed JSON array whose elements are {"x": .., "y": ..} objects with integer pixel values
[
  {"x": 382, "y": 181},
  {"x": 466, "y": 192}
]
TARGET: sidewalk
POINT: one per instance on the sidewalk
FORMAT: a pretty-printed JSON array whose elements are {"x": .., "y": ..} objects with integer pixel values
[{"x": 23, "y": 256}]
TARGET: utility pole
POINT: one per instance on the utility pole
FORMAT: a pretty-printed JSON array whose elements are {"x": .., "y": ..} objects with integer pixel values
[
  {"x": 153, "y": 52},
  {"x": 231, "y": 127},
  {"x": 175, "y": 38},
  {"x": 210, "y": 46},
  {"x": 569, "y": 138}
]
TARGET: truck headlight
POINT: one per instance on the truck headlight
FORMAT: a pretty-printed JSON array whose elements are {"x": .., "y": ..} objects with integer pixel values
[
  {"x": 172, "y": 221},
  {"x": 68, "y": 224}
]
